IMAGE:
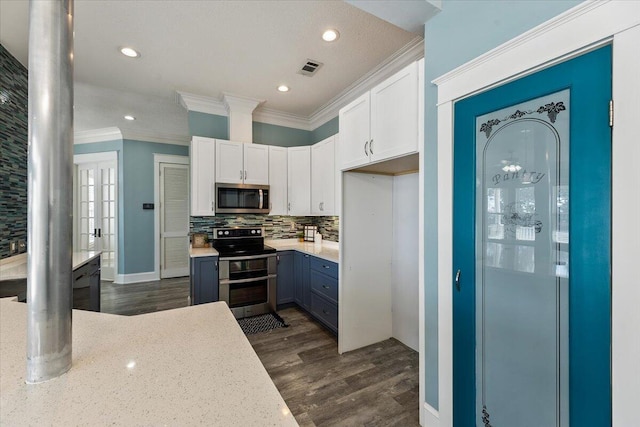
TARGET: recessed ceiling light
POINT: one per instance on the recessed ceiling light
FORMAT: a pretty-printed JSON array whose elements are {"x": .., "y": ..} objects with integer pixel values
[
  {"x": 283, "y": 88},
  {"x": 130, "y": 52},
  {"x": 330, "y": 35},
  {"x": 128, "y": 117}
]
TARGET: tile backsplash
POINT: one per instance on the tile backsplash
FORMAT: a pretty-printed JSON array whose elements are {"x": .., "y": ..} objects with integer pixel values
[
  {"x": 275, "y": 227},
  {"x": 13, "y": 153}
]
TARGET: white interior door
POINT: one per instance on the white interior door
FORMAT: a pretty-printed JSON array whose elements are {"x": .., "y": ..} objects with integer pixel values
[
  {"x": 174, "y": 220},
  {"x": 97, "y": 212}
]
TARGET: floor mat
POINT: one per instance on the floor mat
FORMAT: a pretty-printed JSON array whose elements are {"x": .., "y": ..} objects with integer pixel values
[{"x": 261, "y": 323}]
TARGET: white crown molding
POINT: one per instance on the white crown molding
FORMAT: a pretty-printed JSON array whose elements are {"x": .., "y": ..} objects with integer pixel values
[
  {"x": 137, "y": 135},
  {"x": 239, "y": 103},
  {"x": 97, "y": 135},
  {"x": 412, "y": 51},
  {"x": 201, "y": 103},
  {"x": 280, "y": 118}
]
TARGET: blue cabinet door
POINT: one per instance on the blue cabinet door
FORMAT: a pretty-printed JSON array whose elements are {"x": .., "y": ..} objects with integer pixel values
[
  {"x": 204, "y": 280},
  {"x": 285, "y": 284},
  {"x": 302, "y": 283}
]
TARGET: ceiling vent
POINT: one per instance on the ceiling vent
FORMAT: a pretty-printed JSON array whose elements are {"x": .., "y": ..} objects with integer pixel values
[{"x": 309, "y": 69}]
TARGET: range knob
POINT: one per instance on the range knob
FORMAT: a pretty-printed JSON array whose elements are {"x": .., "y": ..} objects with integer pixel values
[
  {"x": 253, "y": 231},
  {"x": 226, "y": 233},
  {"x": 220, "y": 232},
  {"x": 259, "y": 231}
]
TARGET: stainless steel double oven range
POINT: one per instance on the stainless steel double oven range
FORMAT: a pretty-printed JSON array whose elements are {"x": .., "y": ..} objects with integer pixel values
[{"x": 247, "y": 270}]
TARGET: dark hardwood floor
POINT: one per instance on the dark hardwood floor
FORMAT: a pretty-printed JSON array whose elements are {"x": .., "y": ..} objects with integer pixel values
[{"x": 373, "y": 386}]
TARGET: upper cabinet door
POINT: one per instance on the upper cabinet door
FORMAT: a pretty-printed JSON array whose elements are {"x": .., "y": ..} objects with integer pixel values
[
  {"x": 229, "y": 166},
  {"x": 202, "y": 155},
  {"x": 299, "y": 185},
  {"x": 394, "y": 115},
  {"x": 278, "y": 180},
  {"x": 256, "y": 164},
  {"x": 323, "y": 177},
  {"x": 354, "y": 133}
]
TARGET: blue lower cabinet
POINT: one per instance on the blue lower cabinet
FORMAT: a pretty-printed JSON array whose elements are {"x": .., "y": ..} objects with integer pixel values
[
  {"x": 285, "y": 280},
  {"x": 302, "y": 287},
  {"x": 325, "y": 311},
  {"x": 204, "y": 280}
]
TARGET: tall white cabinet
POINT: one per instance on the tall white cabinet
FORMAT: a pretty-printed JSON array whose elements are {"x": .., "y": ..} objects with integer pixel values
[
  {"x": 202, "y": 157},
  {"x": 323, "y": 177},
  {"x": 299, "y": 181},
  {"x": 278, "y": 180}
]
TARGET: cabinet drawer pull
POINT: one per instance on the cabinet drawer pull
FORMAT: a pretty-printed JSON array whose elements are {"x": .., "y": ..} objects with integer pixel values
[
  {"x": 326, "y": 266},
  {"x": 325, "y": 311},
  {"x": 326, "y": 287}
]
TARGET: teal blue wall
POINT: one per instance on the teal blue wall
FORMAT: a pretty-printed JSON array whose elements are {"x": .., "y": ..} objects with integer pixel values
[
  {"x": 265, "y": 133},
  {"x": 135, "y": 186},
  {"x": 325, "y": 131},
  {"x": 460, "y": 32},
  {"x": 209, "y": 125},
  {"x": 138, "y": 224},
  {"x": 214, "y": 126}
]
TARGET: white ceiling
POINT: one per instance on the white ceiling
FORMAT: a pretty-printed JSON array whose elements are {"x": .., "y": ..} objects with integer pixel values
[{"x": 206, "y": 48}]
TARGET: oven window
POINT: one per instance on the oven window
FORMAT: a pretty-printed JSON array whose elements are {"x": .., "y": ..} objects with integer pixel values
[
  {"x": 248, "y": 269},
  {"x": 251, "y": 293},
  {"x": 231, "y": 198}
]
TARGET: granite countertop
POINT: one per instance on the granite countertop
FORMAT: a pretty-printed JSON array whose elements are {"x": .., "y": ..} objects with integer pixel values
[
  {"x": 15, "y": 267},
  {"x": 186, "y": 366},
  {"x": 327, "y": 250}
]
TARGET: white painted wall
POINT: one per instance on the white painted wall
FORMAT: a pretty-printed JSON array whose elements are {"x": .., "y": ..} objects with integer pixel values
[{"x": 404, "y": 260}]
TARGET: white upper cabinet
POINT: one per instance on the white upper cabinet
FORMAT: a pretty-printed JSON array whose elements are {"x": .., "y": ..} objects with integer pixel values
[
  {"x": 394, "y": 115},
  {"x": 323, "y": 173},
  {"x": 383, "y": 123},
  {"x": 202, "y": 157},
  {"x": 229, "y": 165},
  {"x": 242, "y": 163},
  {"x": 299, "y": 180},
  {"x": 278, "y": 180},
  {"x": 355, "y": 133},
  {"x": 256, "y": 164}
]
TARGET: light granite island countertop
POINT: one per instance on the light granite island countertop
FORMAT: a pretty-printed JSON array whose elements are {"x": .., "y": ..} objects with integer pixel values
[
  {"x": 188, "y": 366},
  {"x": 15, "y": 267},
  {"x": 326, "y": 250}
]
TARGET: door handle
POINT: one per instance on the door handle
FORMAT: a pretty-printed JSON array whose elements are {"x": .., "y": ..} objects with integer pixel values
[
  {"x": 458, "y": 281},
  {"x": 371, "y": 146},
  {"x": 366, "y": 153},
  {"x": 99, "y": 232}
]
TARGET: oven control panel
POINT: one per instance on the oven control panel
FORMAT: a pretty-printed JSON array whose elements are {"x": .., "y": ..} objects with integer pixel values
[{"x": 237, "y": 232}]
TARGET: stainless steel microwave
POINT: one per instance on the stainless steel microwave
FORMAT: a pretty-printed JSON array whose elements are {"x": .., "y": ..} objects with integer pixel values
[{"x": 242, "y": 198}]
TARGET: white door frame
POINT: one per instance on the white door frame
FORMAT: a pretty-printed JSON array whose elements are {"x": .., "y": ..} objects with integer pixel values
[
  {"x": 584, "y": 27},
  {"x": 95, "y": 158},
  {"x": 157, "y": 159}
]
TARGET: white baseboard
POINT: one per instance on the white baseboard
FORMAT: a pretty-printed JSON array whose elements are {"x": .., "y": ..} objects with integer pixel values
[
  {"x": 123, "y": 279},
  {"x": 431, "y": 416}
]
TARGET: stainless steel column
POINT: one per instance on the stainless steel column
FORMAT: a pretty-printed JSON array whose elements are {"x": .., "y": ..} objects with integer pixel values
[{"x": 50, "y": 189}]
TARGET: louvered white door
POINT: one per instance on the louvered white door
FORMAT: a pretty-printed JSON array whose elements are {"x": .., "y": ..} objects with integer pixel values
[
  {"x": 96, "y": 216},
  {"x": 174, "y": 220}
]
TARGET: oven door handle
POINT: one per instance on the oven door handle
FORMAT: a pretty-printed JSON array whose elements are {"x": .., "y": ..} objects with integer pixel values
[
  {"x": 253, "y": 279},
  {"x": 243, "y": 258},
  {"x": 261, "y": 199}
]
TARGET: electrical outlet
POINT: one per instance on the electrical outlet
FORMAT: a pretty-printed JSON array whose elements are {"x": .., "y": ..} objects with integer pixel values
[{"x": 13, "y": 247}]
